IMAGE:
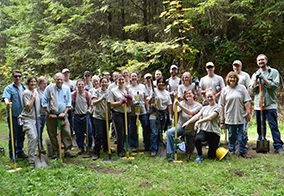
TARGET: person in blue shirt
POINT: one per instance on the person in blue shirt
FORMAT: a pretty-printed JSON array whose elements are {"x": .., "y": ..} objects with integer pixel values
[
  {"x": 12, "y": 97},
  {"x": 57, "y": 101}
]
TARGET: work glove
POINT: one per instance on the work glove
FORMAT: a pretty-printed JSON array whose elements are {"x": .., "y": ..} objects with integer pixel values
[
  {"x": 128, "y": 96},
  {"x": 196, "y": 82},
  {"x": 218, "y": 89},
  {"x": 123, "y": 101},
  {"x": 259, "y": 75}
]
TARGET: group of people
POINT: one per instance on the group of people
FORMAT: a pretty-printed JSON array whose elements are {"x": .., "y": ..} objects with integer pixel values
[{"x": 88, "y": 106}]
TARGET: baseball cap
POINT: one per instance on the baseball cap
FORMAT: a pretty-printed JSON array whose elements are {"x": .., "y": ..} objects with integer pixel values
[
  {"x": 237, "y": 62},
  {"x": 173, "y": 67},
  {"x": 87, "y": 73},
  {"x": 147, "y": 75},
  {"x": 209, "y": 64},
  {"x": 65, "y": 70}
]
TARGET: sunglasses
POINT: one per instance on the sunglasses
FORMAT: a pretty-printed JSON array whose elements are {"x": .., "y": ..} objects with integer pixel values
[
  {"x": 87, "y": 75},
  {"x": 17, "y": 76},
  {"x": 209, "y": 67}
]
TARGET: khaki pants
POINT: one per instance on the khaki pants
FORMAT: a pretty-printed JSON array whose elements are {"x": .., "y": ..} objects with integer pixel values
[
  {"x": 30, "y": 128},
  {"x": 51, "y": 125}
]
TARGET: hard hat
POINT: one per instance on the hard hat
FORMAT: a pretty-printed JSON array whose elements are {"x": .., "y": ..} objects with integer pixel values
[{"x": 221, "y": 152}]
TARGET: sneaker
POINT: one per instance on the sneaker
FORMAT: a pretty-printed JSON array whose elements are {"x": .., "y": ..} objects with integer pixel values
[
  {"x": 153, "y": 154},
  {"x": 121, "y": 154},
  {"x": 231, "y": 153},
  {"x": 171, "y": 158},
  {"x": 279, "y": 151},
  {"x": 246, "y": 155},
  {"x": 133, "y": 149},
  {"x": 198, "y": 159},
  {"x": 95, "y": 157}
]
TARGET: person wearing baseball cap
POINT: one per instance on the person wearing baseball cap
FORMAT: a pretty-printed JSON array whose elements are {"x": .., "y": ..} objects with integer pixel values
[
  {"x": 87, "y": 79},
  {"x": 244, "y": 77},
  {"x": 211, "y": 80}
]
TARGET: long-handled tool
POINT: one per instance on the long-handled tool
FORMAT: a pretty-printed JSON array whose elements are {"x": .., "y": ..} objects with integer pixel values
[
  {"x": 87, "y": 155},
  {"x": 41, "y": 160},
  {"x": 109, "y": 159},
  {"x": 176, "y": 130},
  {"x": 12, "y": 143},
  {"x": 59, "y": 138},
  {"x": 126, "y": 134},
  {"x": 137, "y": 112},
  {"x": 262, "y": 146}
]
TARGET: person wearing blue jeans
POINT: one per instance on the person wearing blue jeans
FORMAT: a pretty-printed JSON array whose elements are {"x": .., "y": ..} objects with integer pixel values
[
  {"x": 235, "y": 102},
  {"x": 12, "y": 97},
  {"x": 133, "y": 132},
  {"x": 80, "y": 127},
  {"x": 81, "y": 118},
  {"x": 188, "y": 107},
  {"x": 270, "y": 79}
]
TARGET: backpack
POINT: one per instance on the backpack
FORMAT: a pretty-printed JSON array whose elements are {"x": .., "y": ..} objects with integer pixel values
[{"x": 75, "y": 96}]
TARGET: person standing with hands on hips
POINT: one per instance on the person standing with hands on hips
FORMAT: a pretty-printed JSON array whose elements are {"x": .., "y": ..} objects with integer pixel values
[{"x": 270, "y": 81}]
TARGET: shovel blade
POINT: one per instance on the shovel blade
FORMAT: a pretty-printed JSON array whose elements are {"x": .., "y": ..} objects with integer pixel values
[
  {"x": 262, "y": 146},
  {"x": 41, "y": 161}
]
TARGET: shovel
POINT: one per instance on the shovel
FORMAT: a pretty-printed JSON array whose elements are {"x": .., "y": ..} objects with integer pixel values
[
  {"x": 12, "y": 143},
  {"x": 41, "y": 159},
  {"x": 262, "y": 146},
  {"x": 126, "y": 134},
  {"x": 109, "y": 159},
  {"x": 176, "y": 131}
]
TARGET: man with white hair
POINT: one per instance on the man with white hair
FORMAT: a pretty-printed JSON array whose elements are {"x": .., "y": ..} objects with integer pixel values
[{"x": 57, "y": 101}]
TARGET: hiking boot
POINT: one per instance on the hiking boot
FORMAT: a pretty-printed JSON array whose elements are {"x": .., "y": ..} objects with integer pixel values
[
  {"x": 70, "y": 154},
  {"x": 198, "y": 159},
  {"x": 246, "y": 155},
  {"x": 80, "y": 151},
  {"x": 23, "y": 156}
]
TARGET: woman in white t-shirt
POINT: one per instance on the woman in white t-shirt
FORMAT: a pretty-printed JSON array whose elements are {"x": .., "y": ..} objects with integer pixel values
[
  {"x": 187, "y": 108},
  {"x": 160, "y": 111},
  {"x": 118, "y": 97},
  {"x": 138, "y": 108},
  {"x": 209, "y": 126},
  {"x": 235, "y": 102},
  {"x": 186, "y": 84},
  {"x": 99, "y": 117},
  {"x": 31, "y": 116}
]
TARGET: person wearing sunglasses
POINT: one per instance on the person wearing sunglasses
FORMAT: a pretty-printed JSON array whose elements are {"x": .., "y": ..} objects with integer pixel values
[
  {"x": 12, "y": 97},
  {"x": 211, "y": 80},
  {"x": 88, "y": 81}
]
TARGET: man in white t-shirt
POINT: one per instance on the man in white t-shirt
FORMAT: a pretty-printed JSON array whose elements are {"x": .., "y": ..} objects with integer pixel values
[
  {"x": 174, "y": 81},
  {"x": 211, "y": 80},
  {"x": 244, "y": 77},
  {"x": 70, "y": 83}
]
